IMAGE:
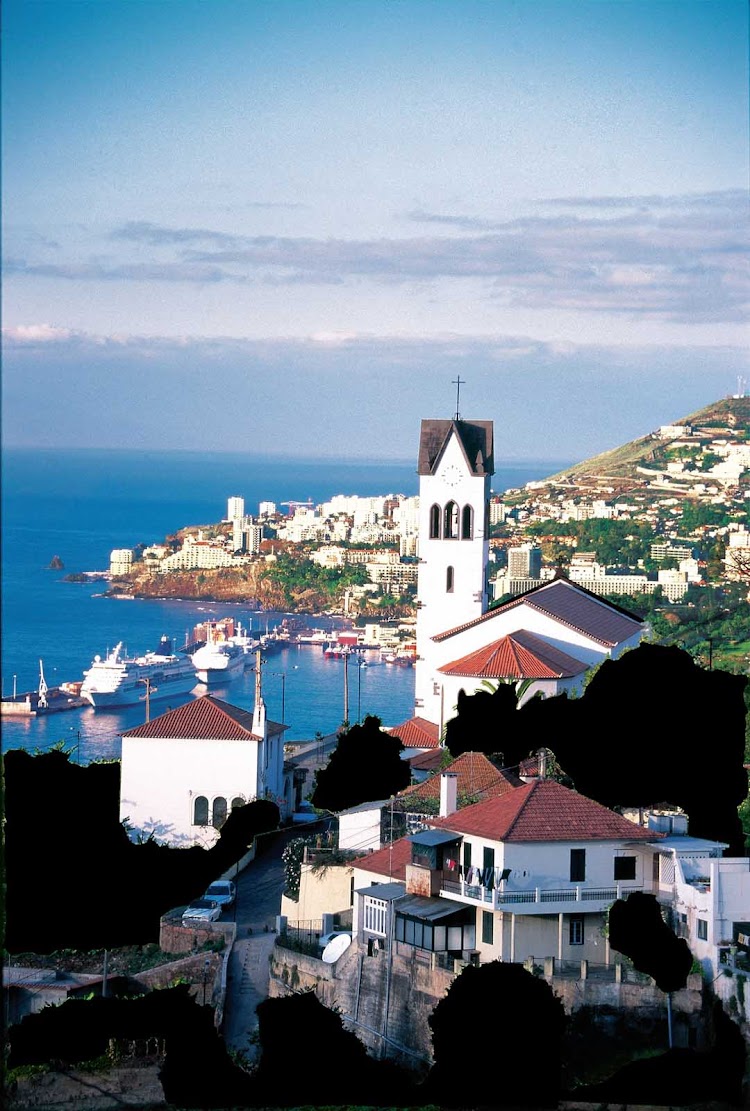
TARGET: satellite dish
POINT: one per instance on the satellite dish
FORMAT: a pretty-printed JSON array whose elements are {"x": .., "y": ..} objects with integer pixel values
[{"x": 336, "y": 947}]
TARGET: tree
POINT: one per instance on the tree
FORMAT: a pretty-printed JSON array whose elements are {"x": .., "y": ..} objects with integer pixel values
[
  {"x": 490, "y": 1017},
  {"x": 365, "y": 765}
]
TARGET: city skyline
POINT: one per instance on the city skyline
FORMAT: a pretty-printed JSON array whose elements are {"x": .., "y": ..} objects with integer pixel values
[{"x": 288, "y": 228}]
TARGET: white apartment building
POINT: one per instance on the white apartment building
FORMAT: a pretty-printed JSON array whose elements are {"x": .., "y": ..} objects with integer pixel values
[
  {"x": 198, "y": 554},
  {"x": 121, "y": 561},
  {"x": 267, "y": 509},
  {"x": 497, "y": 512},
  {"x": 235, "y": 508}
]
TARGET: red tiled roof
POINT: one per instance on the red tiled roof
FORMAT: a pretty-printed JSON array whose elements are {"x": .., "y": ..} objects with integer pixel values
[
  {"x": 476, "y": 776},
  {"x": 521, "y": 655},
  {"x": 543, "y": 811},
  {"x": 571, "y": 605},
  {"x": 203, "y": 719},
  {"x": 416, "y": 733},
  {"x": 426, "y": 761},
  {"x": 390, "y": 861}
]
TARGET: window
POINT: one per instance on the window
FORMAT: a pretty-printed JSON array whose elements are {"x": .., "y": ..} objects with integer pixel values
[
  {"x": 239, "y": 801},
  {"x": 577, "y": 865},
  {"x": 449, "y": 580},
  {"x": 655, "y": 867},
  {"x": 701, "y": 929},
  {"x": 434, "y": 522},
  {"x": 488, "y": 858},
  {"x": 488, "y": 922},
  {"x": 219, "y": 815},
  {"x": 467, "y": 854},
  {"x": 450, "y": 521},
  {"x": 467, "y": 523},
  {"x": 576, "y": 931},
  {"x": 624, "y": 867},
  {"x": 200, "y": 811},
  {"x": 375, "y": 915}
]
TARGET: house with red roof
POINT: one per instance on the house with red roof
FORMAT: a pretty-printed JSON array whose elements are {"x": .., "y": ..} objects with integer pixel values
[
  {"x": 530, "y": 872},
  {"x": 184, "y": 771}
]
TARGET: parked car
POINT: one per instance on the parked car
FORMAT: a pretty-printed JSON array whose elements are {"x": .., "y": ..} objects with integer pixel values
[
  {"x": 222, "y": 892},
  {"x": 325, "y": 938},
  {"x": 201, "y": 910}
]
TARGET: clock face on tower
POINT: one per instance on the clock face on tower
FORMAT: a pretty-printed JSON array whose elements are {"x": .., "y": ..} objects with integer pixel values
[{"x": 452, "y": 475}]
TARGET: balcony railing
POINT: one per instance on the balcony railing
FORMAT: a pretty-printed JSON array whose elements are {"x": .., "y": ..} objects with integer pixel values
[{"x": 501, "y": 897}]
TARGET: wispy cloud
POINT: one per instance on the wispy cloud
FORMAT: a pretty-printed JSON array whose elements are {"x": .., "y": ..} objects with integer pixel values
[{"x": 670, "y": 258}]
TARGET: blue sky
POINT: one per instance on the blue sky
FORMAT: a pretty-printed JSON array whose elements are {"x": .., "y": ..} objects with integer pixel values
[{"x": 286, "y": 227}]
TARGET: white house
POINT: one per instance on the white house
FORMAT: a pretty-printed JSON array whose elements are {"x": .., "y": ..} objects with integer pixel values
[
  {"x": 553, "y": 634},
  {"x": 529, "y": 873},
  {"x": 184, "y": 771}
]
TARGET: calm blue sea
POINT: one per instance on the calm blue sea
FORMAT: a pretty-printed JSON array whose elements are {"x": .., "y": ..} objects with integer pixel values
[{"x": 81, "y": 504}]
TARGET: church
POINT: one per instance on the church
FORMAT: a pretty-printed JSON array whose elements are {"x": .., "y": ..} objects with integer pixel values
[{"x": 551, "y": 636}]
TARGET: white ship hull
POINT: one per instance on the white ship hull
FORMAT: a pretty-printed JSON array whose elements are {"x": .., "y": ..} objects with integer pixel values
[
  {"x": 115, "y": 682},
  {"x": 216, "y": 664}
]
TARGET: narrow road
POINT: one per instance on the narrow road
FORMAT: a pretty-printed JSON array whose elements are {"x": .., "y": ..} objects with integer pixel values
[{"x": 258, "y": 902}]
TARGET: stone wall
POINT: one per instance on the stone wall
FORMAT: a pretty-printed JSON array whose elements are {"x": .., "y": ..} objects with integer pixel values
[
  {"x": 174, "y": 937},
  {"x": 137, "y": 1086},
  {"x": 363, "y": 987}
]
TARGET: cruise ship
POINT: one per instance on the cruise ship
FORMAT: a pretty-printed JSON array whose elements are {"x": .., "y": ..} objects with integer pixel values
[
  {"x": 119, "y": 680},
  {"x": 219, "y": 662}
]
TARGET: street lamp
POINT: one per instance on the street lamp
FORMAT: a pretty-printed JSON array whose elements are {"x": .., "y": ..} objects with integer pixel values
[{"x": 359, "y": 690}]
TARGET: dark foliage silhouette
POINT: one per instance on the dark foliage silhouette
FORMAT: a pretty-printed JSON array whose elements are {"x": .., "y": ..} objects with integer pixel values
[
  {"x": 637, "y": 929},
  {"x": 365, "y": 765},
  {"x": 74, "y": 880},
  {"x": 496, "y": 1040},
  {"x": 642, "y": 733}
]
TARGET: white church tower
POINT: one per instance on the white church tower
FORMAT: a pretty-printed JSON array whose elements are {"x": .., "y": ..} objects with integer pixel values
[{"x": 455, "y": 464}]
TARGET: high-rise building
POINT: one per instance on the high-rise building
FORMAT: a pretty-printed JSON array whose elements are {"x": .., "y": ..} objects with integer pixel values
[
  {"x": 235, "y": 508},
  {"x": 524, "y": 562}
]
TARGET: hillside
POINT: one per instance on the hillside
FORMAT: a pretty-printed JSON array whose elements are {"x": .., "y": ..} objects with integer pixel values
[{"x": 730, "y": 416}]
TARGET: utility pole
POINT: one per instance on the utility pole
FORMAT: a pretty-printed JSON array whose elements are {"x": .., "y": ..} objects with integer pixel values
[
  {"x": 147, "y": 681},
  {"x": 346, "y": 687}
]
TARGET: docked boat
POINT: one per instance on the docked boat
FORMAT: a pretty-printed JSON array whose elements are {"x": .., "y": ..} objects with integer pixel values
[
  {"x": 119, "y": 680},
  {"x": 218, "y": 662}
]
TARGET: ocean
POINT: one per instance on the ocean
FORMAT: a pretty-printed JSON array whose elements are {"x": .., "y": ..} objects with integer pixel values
[{"x": 80, "y": 504}]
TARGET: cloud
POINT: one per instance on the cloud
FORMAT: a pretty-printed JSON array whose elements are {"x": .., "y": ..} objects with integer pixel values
[
  {"x": 666, "y": 258},
  {"x": 142, "y": 231},
  {"x": 22, "y": 334}
]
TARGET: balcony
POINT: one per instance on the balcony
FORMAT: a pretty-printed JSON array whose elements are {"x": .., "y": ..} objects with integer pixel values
[{"x": 538, "y": 900}]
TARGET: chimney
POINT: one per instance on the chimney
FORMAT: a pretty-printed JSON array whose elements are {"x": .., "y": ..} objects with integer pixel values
[{"x": 448, "y": 794}]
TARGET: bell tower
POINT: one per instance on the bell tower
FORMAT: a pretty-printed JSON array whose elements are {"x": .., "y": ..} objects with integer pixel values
[{"x": 455, "y": 464}]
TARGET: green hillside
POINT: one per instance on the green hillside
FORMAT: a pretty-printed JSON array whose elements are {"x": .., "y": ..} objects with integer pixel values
[{"x": 730, "y": 415}]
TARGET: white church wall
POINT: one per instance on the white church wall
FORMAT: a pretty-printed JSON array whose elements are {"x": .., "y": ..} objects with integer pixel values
[{"x": 161, "y": 778}]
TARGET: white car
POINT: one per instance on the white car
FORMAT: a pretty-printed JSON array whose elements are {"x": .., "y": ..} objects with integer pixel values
[
  {"x": 201, "y": 910},
  {"x": 222, "y": 892}
]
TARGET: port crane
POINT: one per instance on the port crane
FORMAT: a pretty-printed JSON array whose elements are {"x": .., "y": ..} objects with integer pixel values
[{"x": 42, "y": 687}]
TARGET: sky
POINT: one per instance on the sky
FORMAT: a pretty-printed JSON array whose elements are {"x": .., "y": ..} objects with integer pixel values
[{"x": 290, "y": 227}]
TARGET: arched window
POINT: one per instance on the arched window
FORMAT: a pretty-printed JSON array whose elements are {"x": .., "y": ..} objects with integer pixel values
[
  {"x": 449, "y": 580},
  {"x": 219, "y": 815},
  {"x": 239, "y": 801},
  {"x": 467, "y": 523},
  {"x": 450, "y": 521},
  {"x": 435, "y": 522},
  {"x": 200, "y": 811}
]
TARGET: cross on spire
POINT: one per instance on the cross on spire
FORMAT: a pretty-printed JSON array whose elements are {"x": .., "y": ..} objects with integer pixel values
[{"x": 458, "y": 383}]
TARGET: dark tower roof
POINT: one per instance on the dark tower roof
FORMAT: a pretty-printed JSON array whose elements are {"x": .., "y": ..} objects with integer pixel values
[{"x": 474, "y": 436}]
